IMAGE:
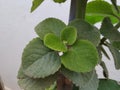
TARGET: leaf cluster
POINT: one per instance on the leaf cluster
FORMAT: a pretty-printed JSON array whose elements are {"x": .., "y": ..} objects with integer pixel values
[{"x": 82, "y": 47}]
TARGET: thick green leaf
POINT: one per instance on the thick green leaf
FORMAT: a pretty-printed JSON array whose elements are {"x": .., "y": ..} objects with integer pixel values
[
  {"x": 53, "y": 42},
  {"x": 81, "y": 57},
  {"x": 38, "y": 61},
  {"x": 50, "y": 25},
  {"x": 86, "y": 31},
  {"x": 59, "y": 1},
  {"x": 116, "y": 44},
  {"x": 99, "y": 7},
  {"x": 92, "y": 84},
  {"x": 79, "y": 79},
  {"x": 116, "y": 55},
  {"x": 106, "y": 84},
  {"x": 108, "y": 30},
  {"x": 69, "y": 35},
  {"x": 35, "y": 4},
  {"x": 36, "y": 84},
  {"x": 98, "y": 18}
]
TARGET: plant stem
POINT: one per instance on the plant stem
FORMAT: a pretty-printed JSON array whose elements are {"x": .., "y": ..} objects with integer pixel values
[{"x": 77, "y": 9}]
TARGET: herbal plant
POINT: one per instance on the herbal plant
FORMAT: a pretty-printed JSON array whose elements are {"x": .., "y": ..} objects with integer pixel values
[{"x": 63, "y": 57}]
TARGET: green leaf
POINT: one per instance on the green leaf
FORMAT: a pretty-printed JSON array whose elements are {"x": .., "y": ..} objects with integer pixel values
[
  {"x": 106, "y": 84},
  {"x": 50, "y": 25},
  {"x": 116, "y": 44},
  {"x": 81, "y": 57},
  {"x": 99, "y": 7},
  {"x": 79, "y": 79},
  {"x": 92, "y": 84},
  {"x": 38, "y": 61},
  {"x": 116, "y": 55},
  {"x": 98, "y": 18},
  {"x": 35, "y": 4},
  {"x": 53, "y": 42},
  {"x": 114, "y": 2},
  {"x": 21, "y": 75},
  {"x": 59, "y": 1},
  {"x": 108, "y": 30},
  {"x": 69, "y": 35},
  {"x": 86, "y": 31},
  {"x": 36, "y": 84}
]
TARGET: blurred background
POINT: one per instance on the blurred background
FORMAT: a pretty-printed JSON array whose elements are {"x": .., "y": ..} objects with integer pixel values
[{"x": 17, "y": 29}]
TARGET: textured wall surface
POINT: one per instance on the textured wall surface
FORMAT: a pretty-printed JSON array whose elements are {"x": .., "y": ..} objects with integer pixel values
[{"x": 17, "y": 29}]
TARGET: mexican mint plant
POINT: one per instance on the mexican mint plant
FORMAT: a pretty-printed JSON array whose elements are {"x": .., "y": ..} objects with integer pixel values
[{"x": 64, "y": 57}]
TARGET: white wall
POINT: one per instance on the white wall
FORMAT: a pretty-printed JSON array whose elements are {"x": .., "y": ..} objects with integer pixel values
[{"x": 17, "y": 29}]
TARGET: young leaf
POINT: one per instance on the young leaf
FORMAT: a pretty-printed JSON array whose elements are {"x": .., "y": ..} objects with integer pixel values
[
  {"x": 59, "y": 1},
  {"x": 99, "y": 7},
  {"x": 116, "y": 55},
  {"x": 92, "y": 84},
  {"x": 69, "y": 35},
  {"x": 35, "y": 4},
  {"x": 53, "y": 42},
  {"x": 38, "y": 61},
  {"x": 86, "y": 31},
  {"x": 81, "y": 57},
  {"x": 79, "y": 79},
  {"x": 108, "y": 31},
  {"x": 106, "y": 84},
  {"x": 50, "y": 25}
]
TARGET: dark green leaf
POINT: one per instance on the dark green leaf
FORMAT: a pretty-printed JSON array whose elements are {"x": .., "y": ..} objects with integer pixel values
[
  {"x": 82, "y": 54},
  {"x": 35, "y": 4},
  {"x": 38, "y": 61},
  {"x": 50, "y": 25},
  {"x": 108, "y": 30},
  {"x": 105, "y": 70},
  {"x": 92, "y": 84},
  {"x": 59, "y": 1},
  {"x": 106, "y": 84},
  {"x": 79, "y": 79},
  {"x": 53, "y": 42},
  {"x": 69, "y": 35},
  {"x": 86, "y": 31},
  {"x": 36, "y": 84},
  {"x": 99, "y": 7},
  {"x": 116, "y": 55},
  {"x": 116, "y": 44}
]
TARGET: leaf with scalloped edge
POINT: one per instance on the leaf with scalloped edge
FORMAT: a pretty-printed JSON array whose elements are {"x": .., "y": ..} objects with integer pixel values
[
  {"x": 38, "y": 61},
  {"x": 82, "y": 56},
  {"x": 49, "y": 25},
  {"x": 86, "y": 31},
  {"x": 69, "y": 35},
  {"x": 53, "y": 42}
]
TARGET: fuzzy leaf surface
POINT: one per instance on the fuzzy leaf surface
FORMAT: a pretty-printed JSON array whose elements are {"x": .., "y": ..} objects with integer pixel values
[
  {"x": 53, "y": 42},
  {"x": 106, "y": 84},
  {"x": 82, "y": 54},
  {"x": 49, "y": 25},
  {"x": 86, "y": 31},
  {"x": 38, "y": 61},
  {"x": 79, "y": 79},
  {"x": 69, "y": 35},
  {"x": 92, "y": 84}
]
